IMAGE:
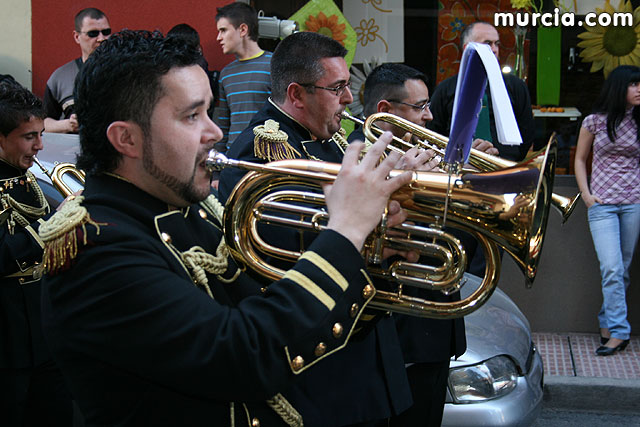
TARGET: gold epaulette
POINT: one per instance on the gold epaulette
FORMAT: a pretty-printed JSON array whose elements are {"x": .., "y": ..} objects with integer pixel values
[
  {"x": 271, "y": 143},
  {"x": 62, "y": 232}
]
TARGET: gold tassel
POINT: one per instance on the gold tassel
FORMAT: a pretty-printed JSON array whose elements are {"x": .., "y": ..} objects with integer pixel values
[
  {"x": 63, "y": 233},
  {"x": 271, "y": 143}
]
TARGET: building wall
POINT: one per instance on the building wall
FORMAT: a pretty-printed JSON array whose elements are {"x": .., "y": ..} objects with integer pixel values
[
  {"x": 15, "y": 40},
  {"x": 566, "y": 295},
  {"x": 52, "y": 43}
]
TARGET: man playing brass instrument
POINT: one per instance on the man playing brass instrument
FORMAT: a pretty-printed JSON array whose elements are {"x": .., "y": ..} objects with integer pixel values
[
  {"x": 149, "y": 318},
  {"x": 32, "y": 390},
  {"x": 310, "y": 90},
  {"x": 402, "y": 90}
]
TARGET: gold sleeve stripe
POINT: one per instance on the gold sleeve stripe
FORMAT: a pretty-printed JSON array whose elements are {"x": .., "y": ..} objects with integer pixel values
[
  {"x": 35, "y": 235},
  {"x": 326, "y": 268},
  {"x": 308, "y": 284}
]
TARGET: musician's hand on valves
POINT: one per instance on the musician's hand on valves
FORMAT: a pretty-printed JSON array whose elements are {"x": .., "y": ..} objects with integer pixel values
[
  {"x": 484, "y": 146},
  {"x": 419, "y": 159},
  {"x": 358, "y": 197}
]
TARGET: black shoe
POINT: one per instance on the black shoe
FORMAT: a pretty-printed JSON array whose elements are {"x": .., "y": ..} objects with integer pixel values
[
  {"x": 603, "y": 340},
  {"x": 608, "y": 351}
]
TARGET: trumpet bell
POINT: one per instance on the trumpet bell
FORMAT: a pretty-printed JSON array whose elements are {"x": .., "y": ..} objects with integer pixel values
[
  {"x": 509, "y": 207},
  {"x": 65, "y": 177}
]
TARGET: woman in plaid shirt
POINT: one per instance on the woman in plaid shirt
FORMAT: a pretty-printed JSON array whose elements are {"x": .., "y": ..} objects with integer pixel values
[{"x": 613, "y": 198}]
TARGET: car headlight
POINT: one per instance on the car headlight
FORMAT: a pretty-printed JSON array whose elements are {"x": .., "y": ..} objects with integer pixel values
[{"x": 488, "y": 380}]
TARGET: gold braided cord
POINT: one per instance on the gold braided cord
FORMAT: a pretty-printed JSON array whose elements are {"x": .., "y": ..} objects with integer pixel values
[
  {"x": 200, "y": 261},
  {"x": 286, "y": 411},
  {"x": 339, "y": 139},
  {"x": 60, "y": 234},
  {"x": 20, "y": 210},
  {"x": 214, "y": 206}
]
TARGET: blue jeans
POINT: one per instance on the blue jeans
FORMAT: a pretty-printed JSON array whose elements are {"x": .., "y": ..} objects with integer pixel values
[{"x": 615, "y": 230}]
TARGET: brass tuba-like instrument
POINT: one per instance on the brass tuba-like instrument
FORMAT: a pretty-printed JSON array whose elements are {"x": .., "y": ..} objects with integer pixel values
[
  {"x": 438, "y": 143},
  {"x": 506, "y": 208},
  {"x": 56, "y": 175}
]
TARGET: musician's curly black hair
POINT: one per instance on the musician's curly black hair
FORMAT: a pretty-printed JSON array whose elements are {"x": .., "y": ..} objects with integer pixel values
[
  {"x": 17, "y": 105},
  {"x": 612, "y": 100},
  {"x": 121, "y": 80}
]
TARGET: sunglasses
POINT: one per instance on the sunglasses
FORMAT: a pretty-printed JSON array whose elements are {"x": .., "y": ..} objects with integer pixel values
[{"x": 94, "y": 33}]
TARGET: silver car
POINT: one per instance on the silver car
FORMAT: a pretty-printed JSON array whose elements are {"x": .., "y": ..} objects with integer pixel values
[{"x": 497, "y": 382}]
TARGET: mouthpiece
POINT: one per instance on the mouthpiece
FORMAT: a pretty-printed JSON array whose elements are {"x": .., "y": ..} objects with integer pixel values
[{"x": 216, "y": 161}]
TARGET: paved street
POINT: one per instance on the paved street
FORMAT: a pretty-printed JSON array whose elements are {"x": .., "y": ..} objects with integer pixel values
[
  {"x": 582, "y": 389},
  {"x": 563, "y": 418}
]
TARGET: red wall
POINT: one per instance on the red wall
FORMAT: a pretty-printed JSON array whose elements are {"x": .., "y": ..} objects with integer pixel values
[{"x": 52, "y": 28}]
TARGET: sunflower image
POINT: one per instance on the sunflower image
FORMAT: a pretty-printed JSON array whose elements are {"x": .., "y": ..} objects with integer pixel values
[
  {"x": 608, "y": 47},
  {"x": 328, "y": 26},
  {"x": 357, "y": 85}
]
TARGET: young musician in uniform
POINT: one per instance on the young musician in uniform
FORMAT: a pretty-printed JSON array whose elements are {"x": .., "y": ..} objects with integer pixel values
[{"x": 32, "y": 390}]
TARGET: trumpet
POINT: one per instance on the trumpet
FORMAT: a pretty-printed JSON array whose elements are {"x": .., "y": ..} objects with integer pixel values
[
  {"x": 429, "y": 139},
  {"x": 56, "y": 175},
  {"x": 507, "y": 208}
]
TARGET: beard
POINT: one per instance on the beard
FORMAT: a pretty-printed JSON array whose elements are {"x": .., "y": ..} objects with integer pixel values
[{"x": 186, "y": 190}]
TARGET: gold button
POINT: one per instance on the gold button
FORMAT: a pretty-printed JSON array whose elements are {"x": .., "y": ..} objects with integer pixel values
[
  {"x": 255, "y": 422},
  {"x": 21, "y": 280},
  {"x": 263, "y": 290},
  {"x": 203, "y": 214},
  {"x": 166, "y": 237},
  {"x": 353, "y": 311},
  {"x": 337, "y": 330},
  {"x": 297, "y": 363},
  {"x": 321, "y": 349},
  {"x": 367, "y": 291},
  {"x": 23, "y": 265}
]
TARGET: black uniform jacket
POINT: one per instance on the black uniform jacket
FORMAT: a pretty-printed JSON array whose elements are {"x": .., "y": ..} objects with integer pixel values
[
  {"x": 140, "y": 344},
  {"x": 21, "y": 341},
  {"x": 442, "y": 109},
  {"x": 366, "y": 381}
]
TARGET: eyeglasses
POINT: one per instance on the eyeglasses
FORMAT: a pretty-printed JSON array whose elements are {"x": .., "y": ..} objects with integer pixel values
[
  {"x": 94, "y": 33},
  {"x": 420, "y": 107},
  {"x": 338, "y": 90}
]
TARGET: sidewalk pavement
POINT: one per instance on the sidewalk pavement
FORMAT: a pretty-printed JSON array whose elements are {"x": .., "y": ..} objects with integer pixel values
[{"x": 577, "y": 379}]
